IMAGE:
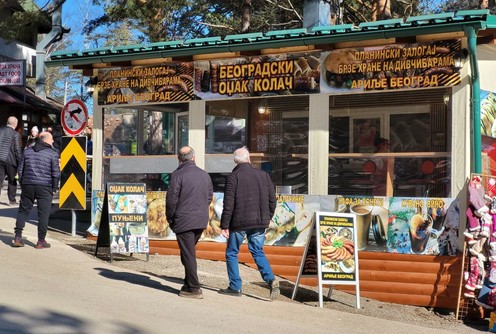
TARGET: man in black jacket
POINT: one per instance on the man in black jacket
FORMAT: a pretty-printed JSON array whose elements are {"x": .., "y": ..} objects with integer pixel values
[
  {"x": 39, "y": 174},
  {"x": 10, "y": 156},
  {"x": 249, "y": 204},
  {"x": 187, "y": 209}
]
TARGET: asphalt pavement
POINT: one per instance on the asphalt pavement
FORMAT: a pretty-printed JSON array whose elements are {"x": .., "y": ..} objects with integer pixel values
[{"x": 63, "y": 290}]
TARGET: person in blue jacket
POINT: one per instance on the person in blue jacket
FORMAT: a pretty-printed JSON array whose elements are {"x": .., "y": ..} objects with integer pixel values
[{"x": 39, "y": 174}]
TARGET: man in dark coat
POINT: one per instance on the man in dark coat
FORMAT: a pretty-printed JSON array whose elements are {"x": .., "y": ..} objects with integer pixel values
[
  {"x": 10, "y": 156},
  {"x": 249, "y": 204},
  {"x": 39, "y": 175},
  {"x": 187, "y": 209}
]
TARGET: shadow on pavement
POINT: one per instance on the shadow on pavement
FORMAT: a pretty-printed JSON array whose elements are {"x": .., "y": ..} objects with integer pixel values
[
  {"x": 135, "y": 279},
  {"x": 48, "y": 321}
]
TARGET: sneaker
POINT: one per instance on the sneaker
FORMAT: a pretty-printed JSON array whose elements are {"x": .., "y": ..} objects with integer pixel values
[
  {"x": 195, "y": 294},
  {"x": 17, "y": 242},
  {"x": 42, "y": 244},
  {"x": 230, "y": 292},
  {"x": 274, "y": 289},
  {"x": 12, "y": 203}
]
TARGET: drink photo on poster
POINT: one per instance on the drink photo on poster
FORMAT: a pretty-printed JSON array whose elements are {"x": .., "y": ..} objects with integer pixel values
[
  {"x": 371, "y": 220},
  {"x": 427, "y": 226}
]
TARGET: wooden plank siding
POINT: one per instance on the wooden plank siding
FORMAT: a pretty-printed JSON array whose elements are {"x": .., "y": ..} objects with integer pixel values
[{"x": 421, "y": 280}]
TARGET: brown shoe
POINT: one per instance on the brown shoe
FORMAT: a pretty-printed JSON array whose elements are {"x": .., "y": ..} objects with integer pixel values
[
  {"x": 196, "y": 294},
  {"x": 42, "y": 244},
  {"x": 17, "y": 242}
]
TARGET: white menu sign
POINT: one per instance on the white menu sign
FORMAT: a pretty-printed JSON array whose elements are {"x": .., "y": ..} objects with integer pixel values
[{"x": 12, "y": 73}]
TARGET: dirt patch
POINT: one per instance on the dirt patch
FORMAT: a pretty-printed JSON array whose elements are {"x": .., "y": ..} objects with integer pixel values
[{"x": 213, "y": 275}]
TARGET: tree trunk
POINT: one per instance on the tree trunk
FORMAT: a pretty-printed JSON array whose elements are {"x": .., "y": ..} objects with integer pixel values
[
  {"x": 381, "y": 10},
  {"x": 246, "y": 10}
]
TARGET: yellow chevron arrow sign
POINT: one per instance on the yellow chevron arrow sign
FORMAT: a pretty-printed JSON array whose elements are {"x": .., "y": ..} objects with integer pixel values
[
  {"x": 73, "y": 173},
  {"x": 72, "y": 185},
  {"x": 73, "y": 149}
]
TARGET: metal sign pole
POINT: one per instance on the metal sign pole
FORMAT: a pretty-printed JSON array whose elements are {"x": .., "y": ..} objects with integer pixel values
[{"x": 73, "y": 215}]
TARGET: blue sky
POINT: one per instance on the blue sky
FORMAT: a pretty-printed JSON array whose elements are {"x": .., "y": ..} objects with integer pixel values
[{"x": 74, "y": 13}]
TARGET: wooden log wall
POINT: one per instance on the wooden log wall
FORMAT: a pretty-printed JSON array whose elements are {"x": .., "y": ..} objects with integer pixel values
[{"x": 421, "y": 280}]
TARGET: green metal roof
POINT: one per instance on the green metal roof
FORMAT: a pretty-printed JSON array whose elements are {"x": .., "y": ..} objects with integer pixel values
[{"x": 412, "y": 26}]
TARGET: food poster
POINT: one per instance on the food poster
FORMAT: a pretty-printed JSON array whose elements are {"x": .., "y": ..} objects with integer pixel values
[
  {"x": 380, "y": 221},
  {"x": 146, "y": 84},
  {"x": 488, "y": 113},
  {"x": 213, "y": 230},
  {"x": 336, "y": 247},
  {"x": 158, "y": 227},
  {"x": 96, "y": 211},
  {"x": 127, "y": 216},
  {"x": 292, "y": 220},
  {"x": 371, "y": 220},
  {"x": 290, "y": 225},
  {"x": 281, "y": 74},
  {"x": 423, "y": 226},
  {"x": 396, "y": 66}
]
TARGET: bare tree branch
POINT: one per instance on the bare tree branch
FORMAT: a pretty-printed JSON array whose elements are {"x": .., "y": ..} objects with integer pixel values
[
  {"x": 289, "y": 9},
  {"x": 363, "y": 4},
  {"x": 282, "y": 24},
  {"x": 217, "y": 26},
  {"x": 354, "y": 13}
]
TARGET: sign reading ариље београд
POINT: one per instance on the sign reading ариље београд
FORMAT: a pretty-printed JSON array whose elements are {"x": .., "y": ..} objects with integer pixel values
[
  {"x": 395, "y": 66},
  {"x": 333, "y": 242}
]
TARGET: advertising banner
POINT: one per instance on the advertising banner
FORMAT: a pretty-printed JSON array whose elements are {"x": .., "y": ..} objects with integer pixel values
[
  {"x": 258, "y": 76},
  {"x": 407, "y": 225},
  {"x": 146, "y": 84},
  {"x": 395, "y": 66},
  {"x": 13, "y": 73}
]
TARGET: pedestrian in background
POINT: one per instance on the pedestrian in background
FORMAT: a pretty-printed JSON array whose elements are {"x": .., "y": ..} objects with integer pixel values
[
  {"x": 39, "y": 175},
  {"x": 187, "y": 209},
  {"x": 10, "y": 157},
  {"x": 33, "y": 136},
  {"x": 249, "y": 204}
]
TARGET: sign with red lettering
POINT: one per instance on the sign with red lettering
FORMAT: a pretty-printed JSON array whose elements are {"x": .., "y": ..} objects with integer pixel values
[{"x": 12, "y": 73}]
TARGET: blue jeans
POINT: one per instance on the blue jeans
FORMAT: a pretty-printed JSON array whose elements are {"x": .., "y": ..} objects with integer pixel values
[{"x": 256, "y": 238}]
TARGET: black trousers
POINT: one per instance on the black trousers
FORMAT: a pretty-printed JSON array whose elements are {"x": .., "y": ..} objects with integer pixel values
[
  {"x": 187, "y": 246},
  {"x": 10, "y": 171},
  {"x": 43, "y": 196}
]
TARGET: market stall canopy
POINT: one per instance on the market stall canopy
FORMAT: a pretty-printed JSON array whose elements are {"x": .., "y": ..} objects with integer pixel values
[
  {"x": 233, "y": 45},
  {"x": 15, "y": 96}
]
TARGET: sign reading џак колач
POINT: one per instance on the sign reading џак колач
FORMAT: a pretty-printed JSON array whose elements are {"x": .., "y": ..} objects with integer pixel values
[{"x": 396, "y": 66}]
